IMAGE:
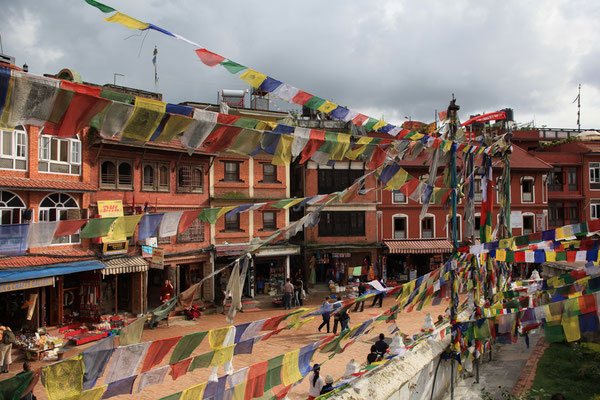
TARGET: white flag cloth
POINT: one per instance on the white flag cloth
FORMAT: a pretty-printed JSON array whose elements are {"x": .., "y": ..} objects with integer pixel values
[
  {"x": 169, "y": 224},
  {"x": 116, "y": 116},
  {"x": 301, "y": 138},
  {"x": 41, "y": 234},
  {"x": 198, "y": 131},
  {"x": 285, "y": 92},
  {"x": 125, "y": 361},
  {"x": 152, "y": 377}
]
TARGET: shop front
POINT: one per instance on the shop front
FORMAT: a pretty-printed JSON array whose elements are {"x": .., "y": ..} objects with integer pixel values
[
  {"x": 35, "y": 297},
  {"x": 340, "y": 264},
  {"x": 406, "y": 260},
  {"x": 123, "y": 286},
  {"x": 269, "y": 268}
]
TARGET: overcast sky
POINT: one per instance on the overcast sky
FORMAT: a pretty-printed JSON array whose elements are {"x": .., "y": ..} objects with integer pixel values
[{"x": 394, "y": 59}]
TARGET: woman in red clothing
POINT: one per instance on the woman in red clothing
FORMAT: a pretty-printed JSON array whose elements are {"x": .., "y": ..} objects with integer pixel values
[{"x": 166, "y": 292}]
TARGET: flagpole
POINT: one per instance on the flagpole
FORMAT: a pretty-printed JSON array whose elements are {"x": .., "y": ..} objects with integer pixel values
[{"x": 579, "y": 109}]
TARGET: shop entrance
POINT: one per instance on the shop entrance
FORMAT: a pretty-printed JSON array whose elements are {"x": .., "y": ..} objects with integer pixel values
[{"x": 270, "y": 275}]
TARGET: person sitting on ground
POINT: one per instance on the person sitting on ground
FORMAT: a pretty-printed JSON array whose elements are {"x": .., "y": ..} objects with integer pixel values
[
  {"x": 373, "y": 355},
  {"x": 26, "y": 369},
  {"x": 316, "y": 383},
  {"x": 381, "y": 345},
  {"x": 328, "y": 384}
]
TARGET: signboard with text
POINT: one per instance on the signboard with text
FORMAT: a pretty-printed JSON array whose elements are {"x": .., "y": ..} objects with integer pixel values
[
  {"x": 28, "y": 284},
  {"x": 158, "y": 258}
]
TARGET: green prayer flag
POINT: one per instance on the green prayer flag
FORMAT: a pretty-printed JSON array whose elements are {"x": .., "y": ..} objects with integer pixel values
[
  {"x": 13, "y": 388},
  {"x": 247, "y": 123},
  {"x": 522, "y": 240},
  {"x": 132, "y": 333},
  {"x": 232, "y": 66},
  {"x": 510, "y": 256},
  {"x": 314, "y": 102},
  {"x": 561, "y": 256},
  {"x": 370, "y": 124},
  {"x": 334, "y": 345},
  {"x": 274, "y": 372},
  {"x": 116, "y": 96},
  {"x": 202, "y": 361},
  {"x": 210, "y": 215},
  {"x": 97, "y": 227},
  {"x": 163, "y": 311},
  {"x": 282, "y": 203},
  {"x": 174, "y": 396},
  {"x": 102, "y": 7},
  {"x": 245, "y": 142},
  {"x": 554, "y": 333},
  {"x": 186, "y": 346}
]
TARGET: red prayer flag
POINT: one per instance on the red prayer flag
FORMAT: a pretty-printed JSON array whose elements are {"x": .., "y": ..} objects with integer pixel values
[
  {"x": 272, "y": 323},
  {"x": 220, "y": 138},
  {"x": 587, "y": 303},
  {"x": 377, "y": 158},
  {"x": 301, "y": 98},
  {"x": 180, "y": 368},
  {"x": 227, "y": 119},
  {"x": 187, "y": 218},
  {"x": 157, "y": 351},
  {"x": 571, "y": 256},
  {"x": 209, "y": 58},
  {"x": 594, "y": 225},
  {"x": 255, "y": 381},
  {"x": 359, "y": 119},
  {"x": 409, "y": 187},
  {"x": 519, "y": 256},
  {"x": 69, "y": 227},
  {"x": 281, "y": 393},
  {"x": 317, "y": 138}
]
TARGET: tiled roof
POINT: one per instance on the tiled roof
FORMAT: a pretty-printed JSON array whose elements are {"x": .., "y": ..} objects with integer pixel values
[
  {"x": 8, "y": 182},
  {"x": 521, "y": 159},
  {"x": 51, "y": 257}
]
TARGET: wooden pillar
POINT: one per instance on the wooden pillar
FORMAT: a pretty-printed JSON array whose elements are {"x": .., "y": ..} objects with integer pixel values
[
  {"x": 116, "y": 294},
  {"x": 61, "y": 298}
]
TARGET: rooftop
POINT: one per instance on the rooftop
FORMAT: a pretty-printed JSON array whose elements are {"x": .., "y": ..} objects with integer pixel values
[{"x": 7, "y": 182}]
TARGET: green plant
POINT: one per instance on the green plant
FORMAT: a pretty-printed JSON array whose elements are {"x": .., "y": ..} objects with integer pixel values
[{"x": 531, "y": 394}]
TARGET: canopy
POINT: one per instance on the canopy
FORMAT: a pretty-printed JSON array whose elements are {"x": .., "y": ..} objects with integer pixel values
[
  {"x": 19, "y": 274},
  {"x": 423, "y": 246},
  {"x": 125, "y": 265}
]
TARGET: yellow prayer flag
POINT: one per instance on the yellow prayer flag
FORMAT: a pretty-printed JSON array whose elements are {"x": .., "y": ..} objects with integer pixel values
[
  {"x": 127, "y": 21},
  {"x": 447, "y": 145},
  {"x": 174, "y": 126},
  {"x": 417, "y": 136},
  {"x": 341, "y": 147},
  {"x": 253, "y": 78},
  {"x": 216, "y": 337},
  {"x": 290, "y": 372},
  {"x": 295, "y": 316},
  {"x": 224, "y": 210},
  {"x": 300, "y": 324},
  {"x": 550, "y": 256},
  {"x": 293, "y": 203},
  {"x": 560, "y": 233},
  {"x": 245, "y": 142},
  {"x": 145, "y": 118},
  {"x": 327, "y": 107},
  {"x": 283, "y": 152},
  {"x": 193, "y": 393},
  {"x": 361, "y": 146},
  {"x": 571, "y": 328},
  {"x": 500, "y": 255},
  {"x": 239, "y": 391},
  {"x": 398, "y": 180},
  {"x": 379, "y": 124},
  {"x": 64, "y": 380},
  {"x": 222, "y": 355},
  {"x": 124, "y": 227},
  {"x": 93, "y": 394},
  {"x": 506, "y": 243}
]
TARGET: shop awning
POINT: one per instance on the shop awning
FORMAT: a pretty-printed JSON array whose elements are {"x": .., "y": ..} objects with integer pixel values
[
  {"x": 21, "y": 274},
  {"x": 424, "y": 246},
  {"x": 124, "y": 265}
]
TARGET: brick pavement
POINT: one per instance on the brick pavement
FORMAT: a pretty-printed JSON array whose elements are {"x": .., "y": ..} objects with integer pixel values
[{"x": 525, "y": 381}]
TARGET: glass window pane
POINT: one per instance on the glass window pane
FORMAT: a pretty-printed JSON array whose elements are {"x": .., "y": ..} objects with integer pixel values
[
  {"x": 54, "y": 149},
  {"x": 7, "y": 143},
  {"x": 64, "y": 151}
]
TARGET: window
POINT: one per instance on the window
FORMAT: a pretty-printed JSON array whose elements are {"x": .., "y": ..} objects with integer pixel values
[
  {"x": 556, "y": 214},
  {"x": 400, "y": 227},
  {"x": 232, "y": 222},
  {"x": 477, "y": 228},
  {"x": 232, "y": 171},
  {"x": 427, "y": 228},
  {"x": 334, "y": 180},
  {"x": 13, "y": 149},
  {"x": 11, "y": 208},
  {"x": 190, "y": 178},
  {"x": 555, "y": 180},
  {"x": 60, "y": 207},
  {"x": 527, "y": 188},
  {"x": 572, "y": 179},
  {"x": 573, "y": 213},
  {"x": 398, "y": 197},
  {"x": 595, "y": 209},
  {"x": 116, "y": 174},
  {"x": 342, "y": 223},
  {"x": 59, "y": 155},
  {"x": 477, "y": 194},
  {"x": 155, "y": 177},
  {"x": 269, "y": 173},
  {"x": 195, "y": 232},
  {"x": 594, "y": 175},
  {"x": 269, "y": 220},
  {"x": 528, "y": 224}
]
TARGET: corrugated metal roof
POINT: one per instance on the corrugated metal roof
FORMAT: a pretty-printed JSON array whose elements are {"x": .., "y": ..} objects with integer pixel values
[
  {"x": 420, "y": 246},
  {"x": 125, "y": 265}
]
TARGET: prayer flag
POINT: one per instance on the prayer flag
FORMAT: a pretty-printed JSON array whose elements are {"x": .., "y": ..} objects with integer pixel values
[
  {"x": 157, "y": 351},
  {"x": 124, "y": 227},
  {"x": 232, "y": 66},
  {"x": 222, "y": 355},
  {"x": 147, "y": 115},
  {"x": 153, "y": 377},
  {"x": 194, "y": 393},
  {"x": 255, "y": 384},
  {"x": 253, "y": 78},
  {"x": 125, "y": 361},
  {"x": 274, "y": 372},
  {"x": 291, "y": 372},
  {"x": 93, "y": 394},
  {"x": 13, "y": 388},
  {"x": 179, "y": 368},
  {"x": 97, "y": 227},
  {"x": 41, "y": 234},
  {"x": 220, "y": 138},
  {"x": 149, "y": 225},
  {"x": 127, "y": 21},
  {"x": 216, "y": 337},
  {"x": 64, "y": 380},
  {"x": 95, "y": 360},
  {"x": 209, "y": 58},
  {"x": 197, "y": 132},
  {"x": 122, "y": 386},
  {"x": 202, "y": 361},
  {"x": 186, "y": 346},
  {"x": 132, "y": 333},
  {"x": 327, "y": 107}
]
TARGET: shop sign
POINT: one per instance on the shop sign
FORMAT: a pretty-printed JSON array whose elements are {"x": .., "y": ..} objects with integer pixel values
[
  {"x": 28, "y": 284},
  {"x": 147, "y": 251},
  {"x": 158, "y": 258},
  {"x": 113, "y": 248},
  {"x": 540, "y": 222},
  {"x": 110, "y": 208},
  {"x": 516, "y": 219}
]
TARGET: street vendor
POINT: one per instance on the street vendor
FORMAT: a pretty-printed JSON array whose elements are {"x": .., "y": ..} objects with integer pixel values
[{"x": 166, "y": 292}]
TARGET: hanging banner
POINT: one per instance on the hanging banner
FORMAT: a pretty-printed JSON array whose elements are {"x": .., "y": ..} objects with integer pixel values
[
  {"x": 158, "y": 258},
  {"x": 495, "y": 116},
  {"x": 516, "y": 219}
]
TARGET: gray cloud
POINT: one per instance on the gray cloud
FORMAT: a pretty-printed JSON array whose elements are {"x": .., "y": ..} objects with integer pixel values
[{"x": 391, "y": 58}]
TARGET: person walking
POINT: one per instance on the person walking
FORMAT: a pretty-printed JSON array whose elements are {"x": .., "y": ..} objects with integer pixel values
[
  {"x": 7, "y": 338},
  {"x": 288, "y": 292},
  {"x": 336, "y": 317},
  {"x": 326, "y": 314},
  {"x": 316, "y": 383},
  {"x": 378, "y": 297},
  {"x": 361, "y": 291}
]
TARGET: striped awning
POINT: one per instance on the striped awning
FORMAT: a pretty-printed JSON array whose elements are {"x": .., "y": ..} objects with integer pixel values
[
  {"x": 124, "y": 265},
  {"x": 422, "y": 246}
]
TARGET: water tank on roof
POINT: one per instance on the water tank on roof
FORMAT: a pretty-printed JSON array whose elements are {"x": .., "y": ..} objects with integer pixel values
[
  {"x": 233, "y": 98},
  {"x": 234, "y": 93}
]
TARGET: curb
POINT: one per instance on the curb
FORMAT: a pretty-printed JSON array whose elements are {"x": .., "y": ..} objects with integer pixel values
[{"x": 527, "y": 376}]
